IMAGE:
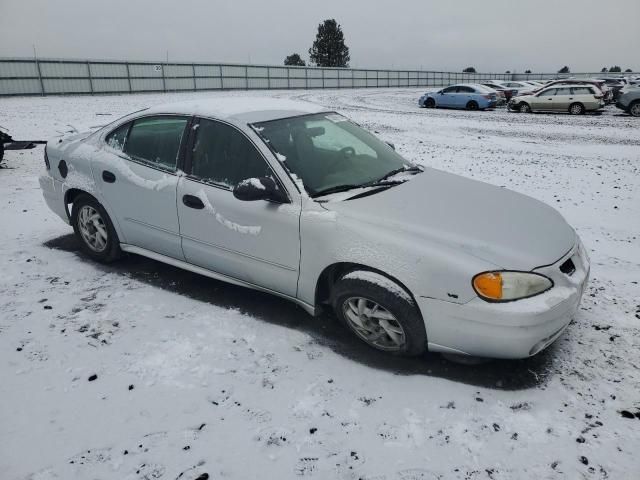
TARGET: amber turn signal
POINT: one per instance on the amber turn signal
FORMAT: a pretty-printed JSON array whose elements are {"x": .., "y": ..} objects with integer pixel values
[{"x": 489, "y": 285}]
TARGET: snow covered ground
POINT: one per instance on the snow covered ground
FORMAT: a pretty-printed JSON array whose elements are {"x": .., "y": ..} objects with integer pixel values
[{"x": 142, "y": 371}]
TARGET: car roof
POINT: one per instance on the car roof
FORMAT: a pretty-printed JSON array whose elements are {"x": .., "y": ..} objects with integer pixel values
[{"x": 241, "y": 109}]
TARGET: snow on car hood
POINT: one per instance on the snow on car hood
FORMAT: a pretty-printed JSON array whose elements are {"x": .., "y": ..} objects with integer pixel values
[{"x": 505, "y": 228}]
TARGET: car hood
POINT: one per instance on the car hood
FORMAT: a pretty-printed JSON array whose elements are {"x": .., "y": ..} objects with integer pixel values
[{"x": 505, "y": 228}]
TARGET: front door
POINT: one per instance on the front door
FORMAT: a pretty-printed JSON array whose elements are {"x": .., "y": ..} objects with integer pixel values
[
  {"x": 257, "y": 242},
  {"x": 136, "y": 173},
  {"x": 562, "y": 99},
  {"x": 446, "y": 97},
  {"x": 544, "y": 100}
]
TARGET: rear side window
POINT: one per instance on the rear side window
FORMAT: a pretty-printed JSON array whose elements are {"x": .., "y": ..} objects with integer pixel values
[
  {"x": 224, "y": 156},
  {"x": 118, "y": 137},
  {"x": 156, "y": 140},
  {"x": 582, "y": 91},
  {"x": 465, "y": 90},
  {"x": 563, "y": 91}
]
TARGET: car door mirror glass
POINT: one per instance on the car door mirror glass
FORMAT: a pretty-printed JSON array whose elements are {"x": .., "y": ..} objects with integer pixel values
[{"x": 259, "y": 188}]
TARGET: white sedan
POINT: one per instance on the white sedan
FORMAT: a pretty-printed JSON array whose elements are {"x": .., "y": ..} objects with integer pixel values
[{"x": 293, "y": 199}]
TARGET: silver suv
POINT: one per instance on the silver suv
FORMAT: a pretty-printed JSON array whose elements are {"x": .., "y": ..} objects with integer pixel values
[
  {"x": 629, "y": 101},
  {"x": 292, "y": 199}
]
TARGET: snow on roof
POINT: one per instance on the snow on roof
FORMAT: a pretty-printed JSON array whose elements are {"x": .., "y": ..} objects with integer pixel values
[{"x": 245, "y": 108}]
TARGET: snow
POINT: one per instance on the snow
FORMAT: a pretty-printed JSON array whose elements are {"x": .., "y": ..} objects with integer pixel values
[
  {"x": 254, "y": 182},
  {"x": 236, "y": 227},
  {"x": 240, "y": 384},
  {"x": 381, "y": 281}
]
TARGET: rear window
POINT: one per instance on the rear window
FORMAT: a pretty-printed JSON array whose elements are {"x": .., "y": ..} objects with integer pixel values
[
  {"x": 582, "y": 91},
  {"x": 156, "y": 140},
  {"x": 118, "y": 137}
]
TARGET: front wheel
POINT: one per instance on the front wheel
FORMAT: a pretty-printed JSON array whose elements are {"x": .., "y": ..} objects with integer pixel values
[
  {"x": 380, "y": 312},
  {"x": 524, "y": 108},
  {"x": 430, "y": 103},
  {"x": 576, "y": 109},
  {"x": 94, "y": 229},
  {"x": 634, "y": 109}
]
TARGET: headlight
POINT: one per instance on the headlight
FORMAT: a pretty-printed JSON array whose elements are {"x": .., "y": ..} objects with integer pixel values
[{"x": 508, "y": 286}]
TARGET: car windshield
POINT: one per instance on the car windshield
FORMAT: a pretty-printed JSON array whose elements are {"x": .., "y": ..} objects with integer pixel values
[{"x": 329, "y": 153}]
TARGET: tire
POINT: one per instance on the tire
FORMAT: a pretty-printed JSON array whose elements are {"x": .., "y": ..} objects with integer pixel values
[
  {"x": 634, "y": 109},
  {"x": 86, "y": 226},
  {"x": 576, "y": 109},
  {"x": 472, "y": 105},
  {"x": 430, "y": 103},
  {"x": 380, "y": 312},
  {"x": 524, "y": 107}
]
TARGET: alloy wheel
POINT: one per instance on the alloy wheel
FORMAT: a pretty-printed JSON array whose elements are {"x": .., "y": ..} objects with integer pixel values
[
  {"x": 92, "y": 228},
  {"x": 374, "y": 324},
  {"x": 576, "y": 109},
  {"x": 635, "y": 109}
]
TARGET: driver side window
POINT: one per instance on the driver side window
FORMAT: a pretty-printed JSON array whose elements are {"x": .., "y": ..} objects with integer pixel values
[
  {"x": 224, "y": 156},
  {"x": 549, "y": 93}
]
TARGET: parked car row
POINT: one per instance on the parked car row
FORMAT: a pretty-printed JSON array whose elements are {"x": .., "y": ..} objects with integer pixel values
[{"x": 574, "y": 96}]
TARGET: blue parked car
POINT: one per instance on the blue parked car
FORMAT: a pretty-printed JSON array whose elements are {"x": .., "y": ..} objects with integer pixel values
[{"x": 469, "y": 96}]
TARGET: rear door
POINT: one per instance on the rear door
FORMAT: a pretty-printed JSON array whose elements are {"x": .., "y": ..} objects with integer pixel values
[
  {"x": 136, "y": 171},
  {"x": 587, "y": 96},
  {"x": 257, "y": 242},
  {"x": 464, "y": 95}
]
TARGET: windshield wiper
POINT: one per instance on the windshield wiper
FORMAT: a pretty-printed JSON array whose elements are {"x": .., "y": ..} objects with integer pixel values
[
  {"x": 413, "y": 168},
  {"x": 380, "y": 182},
  {"x": 344, "y": 188},
  {"x": 336, "y": 189}
]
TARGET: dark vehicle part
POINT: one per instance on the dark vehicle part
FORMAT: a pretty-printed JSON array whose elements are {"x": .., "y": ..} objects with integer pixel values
[{"x": 8, "y": 143}]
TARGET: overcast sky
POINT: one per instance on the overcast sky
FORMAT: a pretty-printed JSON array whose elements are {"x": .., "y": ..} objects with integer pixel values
[{"x": 491, "y": 35}]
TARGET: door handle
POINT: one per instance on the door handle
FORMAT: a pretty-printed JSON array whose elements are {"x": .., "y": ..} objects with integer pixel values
[
  {"x": 108, "y": 177},
  {"x": 570, "y": 98},
  {"x": 192, "y": 202}
]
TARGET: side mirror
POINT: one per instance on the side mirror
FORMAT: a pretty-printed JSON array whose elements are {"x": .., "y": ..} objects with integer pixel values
[{"x": 262, "y": 188}]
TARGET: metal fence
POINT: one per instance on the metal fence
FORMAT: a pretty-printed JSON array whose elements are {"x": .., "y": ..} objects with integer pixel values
[{"x": 46, "y": 76}]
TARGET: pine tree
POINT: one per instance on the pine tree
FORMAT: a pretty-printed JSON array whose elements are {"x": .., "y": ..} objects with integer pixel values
[
  {"x": 469, "y": 70},
  {"x": 604, "y": 70},
  {"x": 294, "y": 60},
  {"x": 564, "y": 69},
  {"x": 628, "y": 70},
  {"x": 615, "y": 68},
  {"x": 527, "y": 71},
  {"x": 329, "y": 49}
]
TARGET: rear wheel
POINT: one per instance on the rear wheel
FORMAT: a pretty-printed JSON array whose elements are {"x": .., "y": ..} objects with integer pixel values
[
  {"x": 430, "y": 103},
  {"x": 472, "y": 105},
  {"x": 576, "y": 109},
  {"x": 524, "y": 108},
  {"x": 380, "y": 312},
  {"x": 634, "y": 108},
  {"x": 94, "y": 229}
]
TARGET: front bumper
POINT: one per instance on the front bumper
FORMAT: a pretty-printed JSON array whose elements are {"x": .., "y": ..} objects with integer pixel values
[{"x": 517, "y": 329}]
